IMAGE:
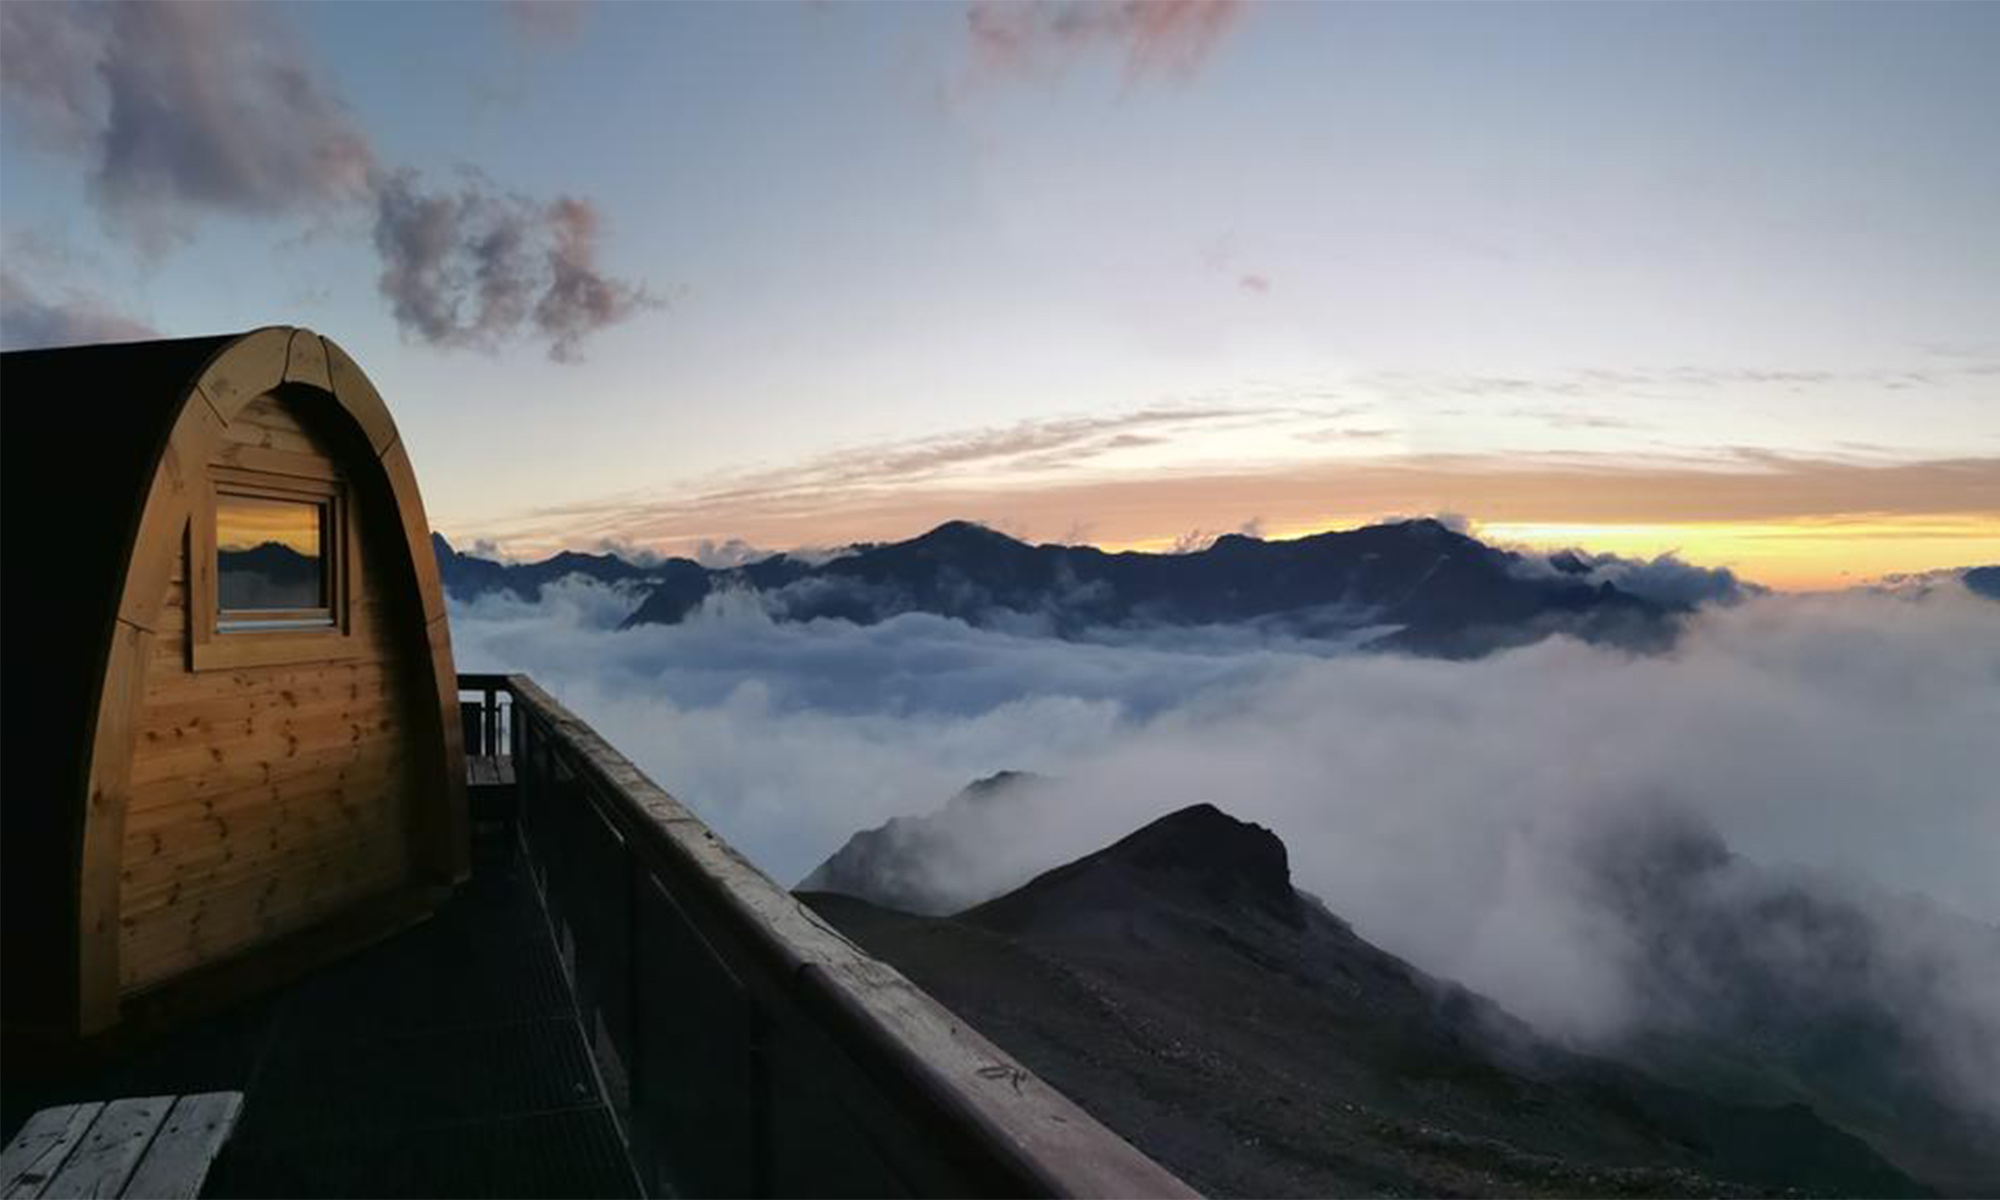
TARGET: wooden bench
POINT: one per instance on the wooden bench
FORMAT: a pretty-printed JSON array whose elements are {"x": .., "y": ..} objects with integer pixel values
[
  {"x": 149, "y": 1146},
  {"x": 483, "y": 770}
]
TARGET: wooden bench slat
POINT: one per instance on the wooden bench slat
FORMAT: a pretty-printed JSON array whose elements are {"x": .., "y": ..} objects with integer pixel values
[
  {"x": 486, "y": 770},
  {"x": 114, "y": 1145},
  {"x": 38, "y": 1151},
  {"x": 177, "y": 1163}
]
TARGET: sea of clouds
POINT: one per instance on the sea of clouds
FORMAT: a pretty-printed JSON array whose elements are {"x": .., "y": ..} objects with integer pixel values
[{"x": 1451, "y": 811}]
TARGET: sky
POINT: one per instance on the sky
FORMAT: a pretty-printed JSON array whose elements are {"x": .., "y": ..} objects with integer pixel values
[{"x": 1720, "y": 279}]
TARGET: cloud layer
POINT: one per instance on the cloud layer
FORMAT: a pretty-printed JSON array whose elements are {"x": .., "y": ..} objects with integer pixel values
[
  {"x": 1456, "y": 813},
  {"x": 1802, "y": 727}
]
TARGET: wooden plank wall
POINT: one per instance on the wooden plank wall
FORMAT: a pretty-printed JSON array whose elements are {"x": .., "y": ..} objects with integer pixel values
[{"x": 266, "y": 798}]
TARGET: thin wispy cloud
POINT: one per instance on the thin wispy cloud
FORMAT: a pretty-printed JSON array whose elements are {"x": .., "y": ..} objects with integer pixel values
[
  {"x": 1562, "y": 418},
  {"x": 1152, "y": 37},
  {"x": 1045, "y": 477},
  {"x": 1000, "y": 460},
  {"x": 1025, "y": 447},
  {"x": 1602, "y": 381},
  {"x": 545, "y": 22},
  {"x": 1340, "y": 433}
]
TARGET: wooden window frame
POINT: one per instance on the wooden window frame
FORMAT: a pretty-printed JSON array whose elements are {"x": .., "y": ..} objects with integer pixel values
[{"x": 296, "y": 478}]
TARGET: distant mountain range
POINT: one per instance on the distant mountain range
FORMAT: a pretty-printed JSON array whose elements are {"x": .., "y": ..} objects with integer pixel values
[
  {"x": 272, "y": 560},
  {"x": 267, "y": 575},
  {"x": 1411, "y": 585},
  {"x": 1178, "y": 986},
  {"x": 1792, "y": 994}
]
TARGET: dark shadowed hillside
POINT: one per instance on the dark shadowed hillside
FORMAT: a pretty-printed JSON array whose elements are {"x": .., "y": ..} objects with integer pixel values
[
  {"x": 1178, "y": 986},
  {"x": 1881, "y": 1012},
  {"x": 1409, "y": 585}
]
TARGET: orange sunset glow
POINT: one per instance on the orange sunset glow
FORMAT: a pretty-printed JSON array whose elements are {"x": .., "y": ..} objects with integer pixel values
[
  {"x": 246, "y": 522},
  {"x": 1785, "y": 523}
]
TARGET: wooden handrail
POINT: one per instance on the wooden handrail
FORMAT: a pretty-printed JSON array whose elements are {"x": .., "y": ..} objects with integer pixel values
[{"x": 942, "y": 1108}]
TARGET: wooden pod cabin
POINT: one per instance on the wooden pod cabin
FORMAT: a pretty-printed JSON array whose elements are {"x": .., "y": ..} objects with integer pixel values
[{"x": 233, "y": 743}]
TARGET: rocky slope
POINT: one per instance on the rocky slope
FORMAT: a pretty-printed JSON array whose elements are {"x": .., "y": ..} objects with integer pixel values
[{"x": 1177, "y": 985}]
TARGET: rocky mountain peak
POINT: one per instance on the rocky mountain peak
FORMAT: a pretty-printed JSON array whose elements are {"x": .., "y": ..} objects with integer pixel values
[{"x": 1224, "y": 857}]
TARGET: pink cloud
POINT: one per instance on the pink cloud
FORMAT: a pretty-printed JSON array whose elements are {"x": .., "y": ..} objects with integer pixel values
[
  {"x": 551, "y": 22},
  {"x": 1172, "y": 36}
]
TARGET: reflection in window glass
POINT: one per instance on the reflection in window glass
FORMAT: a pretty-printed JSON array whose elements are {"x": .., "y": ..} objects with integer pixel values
[{"x": 269, "y": 554}]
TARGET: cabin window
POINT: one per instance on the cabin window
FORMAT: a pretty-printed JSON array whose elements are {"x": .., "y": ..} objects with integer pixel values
[{"x": 271, "y": 565}]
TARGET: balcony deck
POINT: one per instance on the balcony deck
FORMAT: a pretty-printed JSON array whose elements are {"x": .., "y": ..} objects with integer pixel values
[
  {"x": 616, "y": 1003},
  {"x": 445, "y": 1061}
]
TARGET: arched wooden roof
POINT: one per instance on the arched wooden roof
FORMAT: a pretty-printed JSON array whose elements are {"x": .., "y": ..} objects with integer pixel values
[{"x": 100, "y": 445}]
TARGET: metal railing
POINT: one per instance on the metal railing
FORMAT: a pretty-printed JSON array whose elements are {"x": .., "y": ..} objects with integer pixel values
[
  {"x": 486, "y": 709},
  {"x": 749, "y": 1048}
]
